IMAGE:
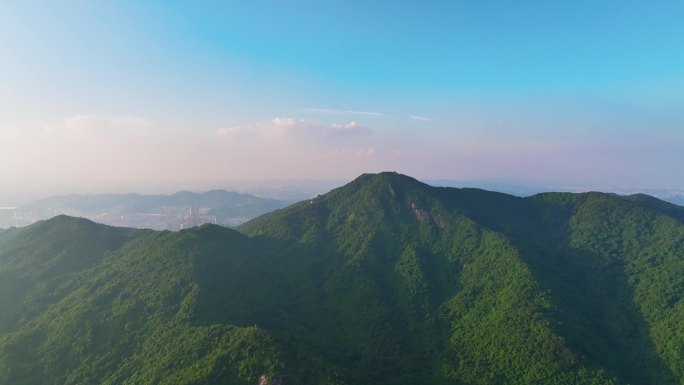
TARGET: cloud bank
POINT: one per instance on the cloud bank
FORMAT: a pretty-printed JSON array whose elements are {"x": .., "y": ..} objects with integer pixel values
[{"x": 283, "y": 127}]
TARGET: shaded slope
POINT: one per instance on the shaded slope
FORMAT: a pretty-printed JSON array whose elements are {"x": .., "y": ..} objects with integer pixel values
[
  {"x": 474, "y": 309},
  {"x": 604, "y": 274},
  {"x": 587, "y": 250}
]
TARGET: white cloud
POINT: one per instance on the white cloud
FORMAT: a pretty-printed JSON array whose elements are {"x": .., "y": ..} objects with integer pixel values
[
  {"x": 422, "y": 118},
  {"x": 348, "y": 128},
  {"x": 278, "y": 127},
  {"x": 81, "y": 124},
  {"x": 283, "y": 127},
  {"x": 367, "y": 113},
  {"x": 230, "y": 131},
  {"x": 329, "y": 111},
  {"x": 96, "y": 122},
  {"x": 322, "y": 111}
]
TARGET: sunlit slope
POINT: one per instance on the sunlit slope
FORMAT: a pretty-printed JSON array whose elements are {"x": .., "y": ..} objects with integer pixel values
[{"x": 124, "y": 314}]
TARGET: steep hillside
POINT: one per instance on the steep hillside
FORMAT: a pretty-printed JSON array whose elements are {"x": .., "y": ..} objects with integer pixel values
[
  {"x": 105, "y": 305},
  {"x": 541, "y": 289},
  {"x": 383, "y": 281}
]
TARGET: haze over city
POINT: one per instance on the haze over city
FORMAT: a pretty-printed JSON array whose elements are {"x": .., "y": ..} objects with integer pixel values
[{"x": 138, "y": 96}]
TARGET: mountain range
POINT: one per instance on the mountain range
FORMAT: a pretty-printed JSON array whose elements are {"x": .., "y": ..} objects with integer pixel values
[
  {"x": 155, "y": 211},
  {"x": 385, "y": 280}
]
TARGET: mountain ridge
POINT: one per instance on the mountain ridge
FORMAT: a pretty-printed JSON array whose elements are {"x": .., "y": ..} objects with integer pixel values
[{"x": 385, "y": 280}]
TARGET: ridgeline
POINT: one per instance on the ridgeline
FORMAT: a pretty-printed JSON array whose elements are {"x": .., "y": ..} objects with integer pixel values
[{"x": 385, "y": 280}]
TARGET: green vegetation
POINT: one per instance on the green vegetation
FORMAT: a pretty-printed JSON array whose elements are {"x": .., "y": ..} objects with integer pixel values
[{"x": 382, "y": 281}]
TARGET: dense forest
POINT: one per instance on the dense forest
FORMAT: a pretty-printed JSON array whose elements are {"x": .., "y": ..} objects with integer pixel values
[{"x": 385, "y": 280}]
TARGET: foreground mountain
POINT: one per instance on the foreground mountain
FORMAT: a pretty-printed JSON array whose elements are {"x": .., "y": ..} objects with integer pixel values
[
  {"x": 383, "y": 281},
  {"x": 183, "y": 209}
]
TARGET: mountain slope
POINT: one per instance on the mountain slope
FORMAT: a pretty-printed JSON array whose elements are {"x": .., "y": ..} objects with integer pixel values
[
  {"x": 586, "y": 258},
  {"x": 383, "y": 281},
  {"x": 123, "y": 317}
]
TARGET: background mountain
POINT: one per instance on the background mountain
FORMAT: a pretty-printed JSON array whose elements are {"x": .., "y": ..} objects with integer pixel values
[
  {"x": 383, "y": 281},
  {"x": 672, "y": 194},
  {"x": 176, "y": 211}
]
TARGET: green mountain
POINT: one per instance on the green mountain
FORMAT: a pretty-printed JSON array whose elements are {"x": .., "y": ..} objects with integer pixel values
[{"x": 383, "y": 281}]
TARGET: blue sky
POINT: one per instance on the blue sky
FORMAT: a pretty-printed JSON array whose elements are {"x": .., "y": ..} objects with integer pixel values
[{"x": 144, "y": 92}]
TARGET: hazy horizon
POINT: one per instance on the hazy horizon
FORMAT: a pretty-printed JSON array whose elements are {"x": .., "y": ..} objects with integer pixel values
[
  {"x": 299, "y": 189},
  {"x": 154, "y": 97}
]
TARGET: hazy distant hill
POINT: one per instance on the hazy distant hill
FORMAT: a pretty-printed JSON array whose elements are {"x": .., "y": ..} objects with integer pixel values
[
  {"x": 173, "y": 211},
  {"x": 679, "y": 200},
  {"x": 133, "y": 203},
  {"x": 671, "y": 195},
  {"x": 383, "y": 281}
]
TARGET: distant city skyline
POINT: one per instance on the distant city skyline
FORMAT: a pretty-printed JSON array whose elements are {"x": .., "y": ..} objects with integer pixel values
[{"x": 156, "y": 96}]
